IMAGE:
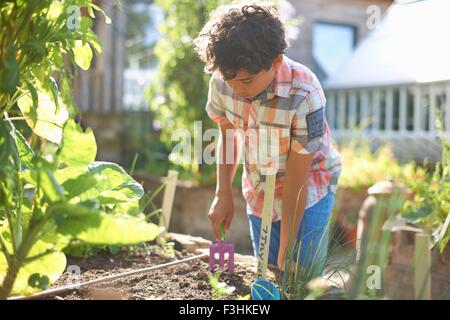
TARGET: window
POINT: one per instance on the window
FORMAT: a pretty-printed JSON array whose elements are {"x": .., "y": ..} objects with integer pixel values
[{"x": 332, "y": 45}]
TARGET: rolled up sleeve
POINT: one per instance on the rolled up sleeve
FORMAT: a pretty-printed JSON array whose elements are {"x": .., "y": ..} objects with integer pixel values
[
  {"x": 308, "y": 123},
  {"x": 214, "y": 106}
]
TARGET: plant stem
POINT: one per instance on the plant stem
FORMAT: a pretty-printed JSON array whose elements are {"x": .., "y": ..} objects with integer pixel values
[
  {"x": 13, "y": 270},
  {"x": 4, "y": 248}
]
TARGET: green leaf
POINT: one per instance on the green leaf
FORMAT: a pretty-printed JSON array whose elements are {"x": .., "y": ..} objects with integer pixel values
[
  {"x": 75, "y": 187},
  {"x": 38, "y": 281},
  {"x": 99, "y": 228},
  {"x": 25, "y": 151},
  {"x": 34, "y": 94},
  {"x": 82, "y": 54},
  {"x": 94, "y": 41},
  {"x": 35, "y": 48},
  {"x": 55, "y": 92},
  {"x": 96, "y": 7},
  {"x": 113, "y": 197},
  {"x": 9, "y": 153},
  {"x": 62, "y": 175},
  {"x": 9, "y": 75},
  {"x": 90, "y": 11},
  {"x": 55, "y": 11},
  {"x": 48, "y": 183},
  {"x": 46, "y": 121},
  {"x": 112, "y": 178},
  {"x": 73, "y": 138},
  {"x": 51, "y": 266},
  {"x": 129, "y": 207}
]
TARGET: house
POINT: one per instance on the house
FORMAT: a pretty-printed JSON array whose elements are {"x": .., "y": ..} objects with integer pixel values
[
  {"x": 328, "y": 31},
  {"x": 396, "y": 84}
]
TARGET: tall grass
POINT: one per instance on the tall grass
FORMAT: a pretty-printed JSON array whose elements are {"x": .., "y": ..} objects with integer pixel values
[{"x": 339, "y": 274}]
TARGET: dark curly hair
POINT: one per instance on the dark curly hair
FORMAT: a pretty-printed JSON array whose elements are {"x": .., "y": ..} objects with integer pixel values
[{"x": 241, "y": 36}]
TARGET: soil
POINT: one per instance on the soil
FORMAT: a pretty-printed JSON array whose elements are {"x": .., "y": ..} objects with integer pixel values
[{"x": 187, "y": 281}]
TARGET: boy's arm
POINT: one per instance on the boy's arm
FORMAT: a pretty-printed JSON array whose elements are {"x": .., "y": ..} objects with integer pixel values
[
  {"x": 226, "y": 171},
  {"x": 222, "y": 208},
  {"x": 295, "y": 193}
]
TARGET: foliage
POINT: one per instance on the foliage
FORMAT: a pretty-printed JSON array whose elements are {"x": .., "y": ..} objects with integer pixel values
[
  {"x": 430, "y": 206},
  {"x": 168, "y": 248},
  {"x": 220, "y": 290},
  {"x": 52, "y": 192},
  {"x": 348, "y": 274},
  {"x": 298, "y": 274},
  {"x": 362, "y": 167},
  {"x": 138, "y": 22},
  {"x": 178, "y": 98}
]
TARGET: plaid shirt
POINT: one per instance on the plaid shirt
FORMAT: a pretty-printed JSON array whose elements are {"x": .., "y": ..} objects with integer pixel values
[{"x": 288, "y": 115}]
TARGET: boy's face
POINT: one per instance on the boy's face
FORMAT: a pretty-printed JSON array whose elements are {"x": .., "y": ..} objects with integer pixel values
[{"x": 249, "y": 85}]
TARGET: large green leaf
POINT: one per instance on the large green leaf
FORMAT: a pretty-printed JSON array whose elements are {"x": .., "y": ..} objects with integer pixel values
[
  {"x": 62, "y": 175},
  {"x": 46, "y": 120},
  {"x": 99, "y": 228},
  {"x": 55, "y": 11},
  {"x": 48, "y": 183},
  {"x": 112, "y": 181},
  {"x": 83, "y": 54},
  {"x": 49, "y": 267},
  {"x": 76, "y": 186},
  {"x": 74, "y": 139}
]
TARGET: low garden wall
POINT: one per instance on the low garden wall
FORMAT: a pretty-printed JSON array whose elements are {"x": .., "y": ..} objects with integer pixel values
[{"x": 399, "y": 278}]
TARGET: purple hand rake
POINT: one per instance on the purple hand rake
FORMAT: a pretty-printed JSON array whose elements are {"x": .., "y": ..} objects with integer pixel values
[{"x": 221, "y": 248}]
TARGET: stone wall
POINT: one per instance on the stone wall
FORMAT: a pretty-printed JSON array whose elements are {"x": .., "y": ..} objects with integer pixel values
[{"x": 399, "y": 279}]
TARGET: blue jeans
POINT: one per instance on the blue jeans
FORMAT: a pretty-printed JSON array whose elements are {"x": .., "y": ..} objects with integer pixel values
[{"x": 312, "y": 237}]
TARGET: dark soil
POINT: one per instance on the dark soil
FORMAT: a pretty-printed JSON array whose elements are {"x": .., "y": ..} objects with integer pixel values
[{"x": 184, "y": 281}]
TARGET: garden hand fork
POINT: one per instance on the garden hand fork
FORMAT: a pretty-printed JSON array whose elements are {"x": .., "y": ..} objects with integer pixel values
[{"x": 221, "y": 248}]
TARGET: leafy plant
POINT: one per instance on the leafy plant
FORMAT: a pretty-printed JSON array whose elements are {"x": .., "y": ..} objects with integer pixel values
[
  {"x": 49, "y": 206},
  {"x": 220, "y": 290},
  {"x": 430, "y": 206},
  {"x": 168, "y": 249},
  {"x": 53, "y": 194}
]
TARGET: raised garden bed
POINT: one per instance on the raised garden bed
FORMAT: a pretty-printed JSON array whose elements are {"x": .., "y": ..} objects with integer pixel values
[
  {"x": 187, "y": 281},
  {"x": 399, "y": 280}
]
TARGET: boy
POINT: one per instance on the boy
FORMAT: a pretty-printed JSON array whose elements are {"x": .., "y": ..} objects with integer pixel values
[{"x": 255, "y": 86}]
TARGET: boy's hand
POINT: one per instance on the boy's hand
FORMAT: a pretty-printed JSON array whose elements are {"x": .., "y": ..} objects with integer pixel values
[{"x": 221, "y": 211}]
